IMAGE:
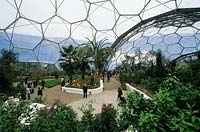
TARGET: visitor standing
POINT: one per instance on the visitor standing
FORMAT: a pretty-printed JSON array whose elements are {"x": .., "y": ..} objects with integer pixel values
[
  {"x": 120, "y": 98},
  {"x": 39, "y": 91},
  {"x": 85, "y": 88},
  {"x": 28, "y": 91},
  {"x": 108, "y": 76},
  {"x": 120, "y": 93},
  {"x": 92, "y": 79},
  {"x": 102, "y": 77}
]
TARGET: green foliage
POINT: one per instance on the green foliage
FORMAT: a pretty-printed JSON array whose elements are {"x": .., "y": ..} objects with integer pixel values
[
  {"x": 152, "y": 84},
  {"x": 131, "y": 112},
  {"x": 106, "y": 121},
  {"x": 159, "y": 65},
  {"x": 9, "y": 116},
  {"x": 39, "y": 99},
  {"x": 171, "y": 82},
  {"x": 7, "y": 72},
  {"x": 186, "y": 121},
  {"x": 195, "y": 66},
  {"x": 87, "y": 120},
  {"x": 139, "y": 75},
  {"x": 148, "y": 122},
  {"x": 99, "y": 52},
  {"x": 123, "y": 78},
  {"x": 69, "y": 60},
  {"x": 61, "y": 119},
  {"x": 175, "y": 107},
  {"x": 19, "y": 90},
  {"x": 184, "y": 72},
  {"x": 51, "y": 83}
]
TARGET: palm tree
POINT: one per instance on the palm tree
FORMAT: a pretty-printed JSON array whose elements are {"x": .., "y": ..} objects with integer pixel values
[
  {"x": 99, "y": 52},
  {"x": 84, "y": 56},
  {"x": 68, "y": 60}
]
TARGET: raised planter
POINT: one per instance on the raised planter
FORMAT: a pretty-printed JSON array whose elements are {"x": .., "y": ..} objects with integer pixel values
[
  {"x": 80, "y": 91},
  {"x": 129, "y": 87}
]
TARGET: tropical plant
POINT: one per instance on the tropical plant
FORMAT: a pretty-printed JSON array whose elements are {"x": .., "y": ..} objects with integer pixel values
[
  {"x": 7, "y": 72},
  {"x": 9, "y": 116},
  {"x": 84, "y": 56},
  {"x": 54, "y": 119},
  {"x": 184, "y": 72},
  {"x": 69, "y": 61},
  {"x": 159, "y": 64},
  {"x": 106, "y": 121},
  {"x": 100, "y": 52},
  {"x": 175, "y": 107}
]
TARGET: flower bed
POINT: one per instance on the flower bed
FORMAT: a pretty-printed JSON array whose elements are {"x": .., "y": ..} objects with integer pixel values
[{"x": 80, "y": 91}]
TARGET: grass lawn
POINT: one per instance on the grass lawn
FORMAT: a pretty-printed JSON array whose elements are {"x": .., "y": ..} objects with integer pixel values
[{"x": 51, "y": 83}]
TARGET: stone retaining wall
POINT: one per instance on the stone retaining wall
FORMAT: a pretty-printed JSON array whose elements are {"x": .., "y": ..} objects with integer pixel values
[{"x": 129, "y": 87}]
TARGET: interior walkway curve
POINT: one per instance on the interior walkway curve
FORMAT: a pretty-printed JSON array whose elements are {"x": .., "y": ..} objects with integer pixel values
[{"x": 109, "y": 95}]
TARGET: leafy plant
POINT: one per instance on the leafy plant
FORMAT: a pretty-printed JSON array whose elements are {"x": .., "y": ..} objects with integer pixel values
[
  {"x": 39, "y": 99},
  {"x": 7, "y": 72},
  {"x": 9, "y": 116},
  {"x": 60, "y": 119}
]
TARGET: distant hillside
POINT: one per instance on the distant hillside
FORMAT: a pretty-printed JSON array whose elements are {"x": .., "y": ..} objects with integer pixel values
[{"x": 48, "y": 52}]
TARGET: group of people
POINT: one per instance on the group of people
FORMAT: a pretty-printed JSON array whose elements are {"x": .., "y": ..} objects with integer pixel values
[
  {"x": 109, "y": 74},
  {"x": 30, "y": 88}
]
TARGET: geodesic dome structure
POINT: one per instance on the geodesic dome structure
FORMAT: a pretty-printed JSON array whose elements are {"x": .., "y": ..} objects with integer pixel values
[{"x": 37, "y": 29}]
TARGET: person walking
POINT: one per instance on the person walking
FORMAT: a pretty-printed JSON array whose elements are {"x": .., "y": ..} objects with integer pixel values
[{"x": 85, "y": 89}]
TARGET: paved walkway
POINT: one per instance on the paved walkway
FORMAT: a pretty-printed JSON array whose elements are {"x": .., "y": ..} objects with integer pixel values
[{"x": 109, "y": 95}]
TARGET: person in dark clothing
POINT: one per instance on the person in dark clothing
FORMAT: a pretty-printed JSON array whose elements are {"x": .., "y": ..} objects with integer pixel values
[
  {"x": 34, "y": 84},
  {"x": 120, "y": 93},
  {"x": 85, "y": 88},
  {"x": 120, "y": 98},
  {"x": 43, "y": 83},
  {"x": 108, "y": 76},
  {"x": 26, "y": 80},
  {"x": 39, "y": 92}
]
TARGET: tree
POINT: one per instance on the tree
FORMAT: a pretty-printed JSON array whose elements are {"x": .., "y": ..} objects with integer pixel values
[
  {"x": 7, "y": 72},
  {"x": 138, "y": 54},
  {"x": 84, "y": 56},
  {"x": 100, "y": 52},
  {"x": 159, "y": 65},
  {"x": 68, "y": 60}
]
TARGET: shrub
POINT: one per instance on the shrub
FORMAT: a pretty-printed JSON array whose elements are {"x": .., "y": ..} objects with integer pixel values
[
  {"x": 60, "y": 119},
  {"x": 184, "y": 72},
  {"x": 152, "y": 84},
  {"x": 123, "y": 78},
  {"x": 131, "y": 112},
  {"x": 106, "y": 121},
  {"x": 175, "y": 107},
  {"x": 39, "y": 99},
  {"x": 139, "y": 75},
  {"x": 9, "y": 116}
]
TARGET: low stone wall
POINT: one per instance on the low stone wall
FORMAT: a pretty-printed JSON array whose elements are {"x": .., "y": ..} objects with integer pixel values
[
  {"x": 80, "y": 91},
  {"x": 129, "y": 87}
]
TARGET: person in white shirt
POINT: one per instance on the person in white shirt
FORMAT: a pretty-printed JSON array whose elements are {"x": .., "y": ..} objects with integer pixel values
[{"x": 28, "y": 91}]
